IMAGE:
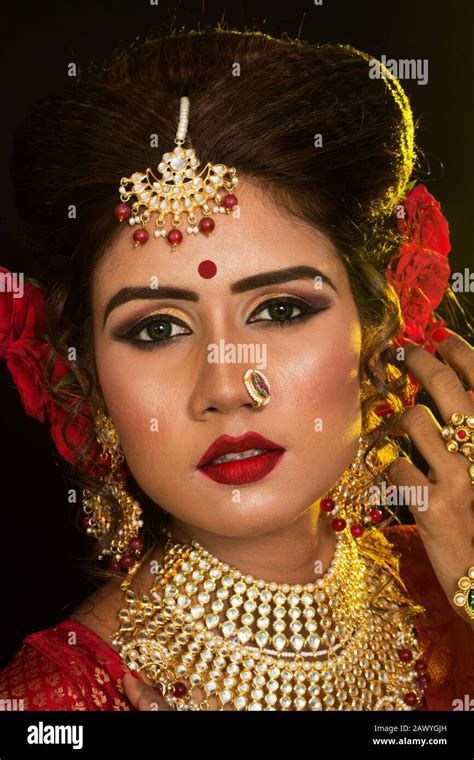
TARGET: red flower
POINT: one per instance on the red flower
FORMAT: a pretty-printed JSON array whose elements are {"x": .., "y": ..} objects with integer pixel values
[
  {"x": 424, "y": 222},
  {"x": 76, "y": 431},
  {"x": 24, "y": 347},
  {"x": 22, "y": 322},
  {"x": 419, "y": 272},
  {"x": 420, "y": 278},
  {"x": 21, "y": 317},
  {"x": 25, "y": 360}
]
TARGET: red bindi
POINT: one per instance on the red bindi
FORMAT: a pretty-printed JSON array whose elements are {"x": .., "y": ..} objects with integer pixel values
[{"x": 207, "y": 269}]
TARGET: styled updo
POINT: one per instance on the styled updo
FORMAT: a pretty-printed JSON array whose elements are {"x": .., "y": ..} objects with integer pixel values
[{"x": 257, "y": 102}]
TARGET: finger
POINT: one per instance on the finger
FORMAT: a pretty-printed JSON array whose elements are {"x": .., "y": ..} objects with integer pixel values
[
  {"x": 403, "y": 472},
  {"x": 412, "y": 485},
  {"x": 142, "y": 696},
  {"x": 425, "y": 433},
  {"x": 459, "y": 355},
  {"x": 441, "y": 381}
]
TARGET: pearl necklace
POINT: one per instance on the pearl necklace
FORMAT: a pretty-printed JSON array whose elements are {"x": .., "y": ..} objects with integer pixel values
[{"x": 212, "y": 638}]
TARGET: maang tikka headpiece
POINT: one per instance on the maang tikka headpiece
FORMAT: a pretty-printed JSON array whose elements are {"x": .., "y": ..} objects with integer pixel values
[{"x": 179, "y": 190}]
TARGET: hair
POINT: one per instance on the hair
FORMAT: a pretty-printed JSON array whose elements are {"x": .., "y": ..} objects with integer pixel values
[{"x": 257, "y": 103}]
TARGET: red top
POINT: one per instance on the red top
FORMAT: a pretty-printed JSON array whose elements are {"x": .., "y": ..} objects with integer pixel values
[{"x": 69, "y": 667}]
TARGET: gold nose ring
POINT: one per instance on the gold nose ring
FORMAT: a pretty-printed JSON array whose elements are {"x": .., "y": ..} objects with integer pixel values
[{"x": 257, "y": 386}]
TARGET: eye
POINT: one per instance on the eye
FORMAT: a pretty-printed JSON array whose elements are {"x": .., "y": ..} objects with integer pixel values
[
  {"x": 157, "y": 330},
  {"x": 285, "y": 310}
]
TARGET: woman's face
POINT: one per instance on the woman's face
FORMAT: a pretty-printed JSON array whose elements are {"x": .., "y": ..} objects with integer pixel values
[{"x": 171, "y": 366}]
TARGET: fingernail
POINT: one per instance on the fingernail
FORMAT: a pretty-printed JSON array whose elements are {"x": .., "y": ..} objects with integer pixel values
[
  {"x": 440, "y": 334},
  {"x": 409, "y": 345}
]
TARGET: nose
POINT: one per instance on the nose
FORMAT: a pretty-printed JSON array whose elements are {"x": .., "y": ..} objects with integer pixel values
[{"x": 219, "y": 387}]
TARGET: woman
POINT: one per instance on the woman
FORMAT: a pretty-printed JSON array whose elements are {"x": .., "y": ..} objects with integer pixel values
[{"x": 246, "y": 377}]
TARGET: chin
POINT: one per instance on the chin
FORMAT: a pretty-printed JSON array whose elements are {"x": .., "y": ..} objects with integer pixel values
[{"x": 249, "y": 520}]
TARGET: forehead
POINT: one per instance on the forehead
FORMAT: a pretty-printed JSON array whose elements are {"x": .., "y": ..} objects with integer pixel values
[{"x": 259, "y": 237}]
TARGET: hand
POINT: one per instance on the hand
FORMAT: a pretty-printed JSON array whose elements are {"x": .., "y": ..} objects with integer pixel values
[
  {"x": 143, "y": 696},
  {"x": 446, "y": 521}
]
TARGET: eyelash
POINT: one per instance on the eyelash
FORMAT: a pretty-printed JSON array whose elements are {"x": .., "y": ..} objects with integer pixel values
[{"x": 307, "y": 312}]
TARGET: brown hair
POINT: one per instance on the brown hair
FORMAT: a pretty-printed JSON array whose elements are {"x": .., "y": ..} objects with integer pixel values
[{"x": 255, "y": 100}]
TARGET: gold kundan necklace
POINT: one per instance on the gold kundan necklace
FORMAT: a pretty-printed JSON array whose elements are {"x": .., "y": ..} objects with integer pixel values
[{"x": 212, "y": 638}]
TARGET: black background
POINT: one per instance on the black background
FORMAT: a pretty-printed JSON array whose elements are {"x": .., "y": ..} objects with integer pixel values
[{"x": 40, "y": 548}]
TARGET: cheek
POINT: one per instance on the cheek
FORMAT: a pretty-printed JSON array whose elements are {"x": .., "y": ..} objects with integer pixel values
[
  {"x": 321, "y": 402},
  {"x": 141, "y": 405},
  {"x": 321, "y": 377}
]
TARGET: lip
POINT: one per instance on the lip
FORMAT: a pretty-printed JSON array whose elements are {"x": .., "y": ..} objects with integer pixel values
[{"x": 240, "y": 471}]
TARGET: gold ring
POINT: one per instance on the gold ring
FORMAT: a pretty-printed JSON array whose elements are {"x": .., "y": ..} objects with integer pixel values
[
  {"x": 465, "y": 597},
  {"x": 458, "y": 435}
]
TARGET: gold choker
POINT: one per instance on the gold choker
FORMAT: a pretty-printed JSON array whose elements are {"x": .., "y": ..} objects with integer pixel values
[{"x": 209, "y": 637}]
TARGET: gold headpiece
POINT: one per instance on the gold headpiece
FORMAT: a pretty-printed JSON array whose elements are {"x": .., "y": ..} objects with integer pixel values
[{"x": 178, "y": 190}]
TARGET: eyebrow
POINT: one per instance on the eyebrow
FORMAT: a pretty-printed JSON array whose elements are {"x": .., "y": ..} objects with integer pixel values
[{"x": 275, "y": 277}]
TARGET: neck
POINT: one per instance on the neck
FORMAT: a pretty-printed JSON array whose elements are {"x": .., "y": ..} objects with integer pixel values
[{"x": 297, "y": 553}]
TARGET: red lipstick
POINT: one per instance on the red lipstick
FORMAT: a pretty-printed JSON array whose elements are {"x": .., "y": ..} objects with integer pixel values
[{"x": 240, "y": 471}]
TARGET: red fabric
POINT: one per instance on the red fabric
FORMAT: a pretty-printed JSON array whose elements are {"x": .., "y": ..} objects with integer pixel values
[
  {"x": 68, "y": 667},
  {"x": 447, "y": 639}
]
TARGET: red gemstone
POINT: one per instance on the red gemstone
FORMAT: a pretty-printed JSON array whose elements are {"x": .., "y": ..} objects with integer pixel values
[
  {"x": 136, "y": 544},
  {"x": 115, "y": 566},
  {"x": 206, "y": 225},
  {"x": 122, "y": 212},
  {"x": 229, "y": 201},
  {"x": 357, "y": 530},
  {"x": 120, "y": 474},
  {"x": 174, "y": 237},
  {"x": 461, "y": 435},
  {"x": 410, "y": 698},
  {"x": 424, "y": 680},
  {"x": 338, "y": 524},
  {"x": 140, "y": 236},
  {"x": 420, "y": 666},
  {"x": 406, "y": 655},
  {"x": 179, "y": 689},
  {"x": 327, "y": 505},
  {"x": 85, "y": 523},
  {"x": 375, "y": 515},
  {"x": 127, "y": 561}
]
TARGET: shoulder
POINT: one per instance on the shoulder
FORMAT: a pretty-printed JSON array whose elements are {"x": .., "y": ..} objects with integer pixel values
[
  {"x": 72, "y": 665},
  {"x": 99, "y": 612},
  {"x": 66, "y": 667}
]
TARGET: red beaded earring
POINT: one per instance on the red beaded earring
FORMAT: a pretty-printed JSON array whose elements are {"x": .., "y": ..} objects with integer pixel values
[
  {"x": 349, "y": 503},
  {"x": 124, "y": 545}
]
